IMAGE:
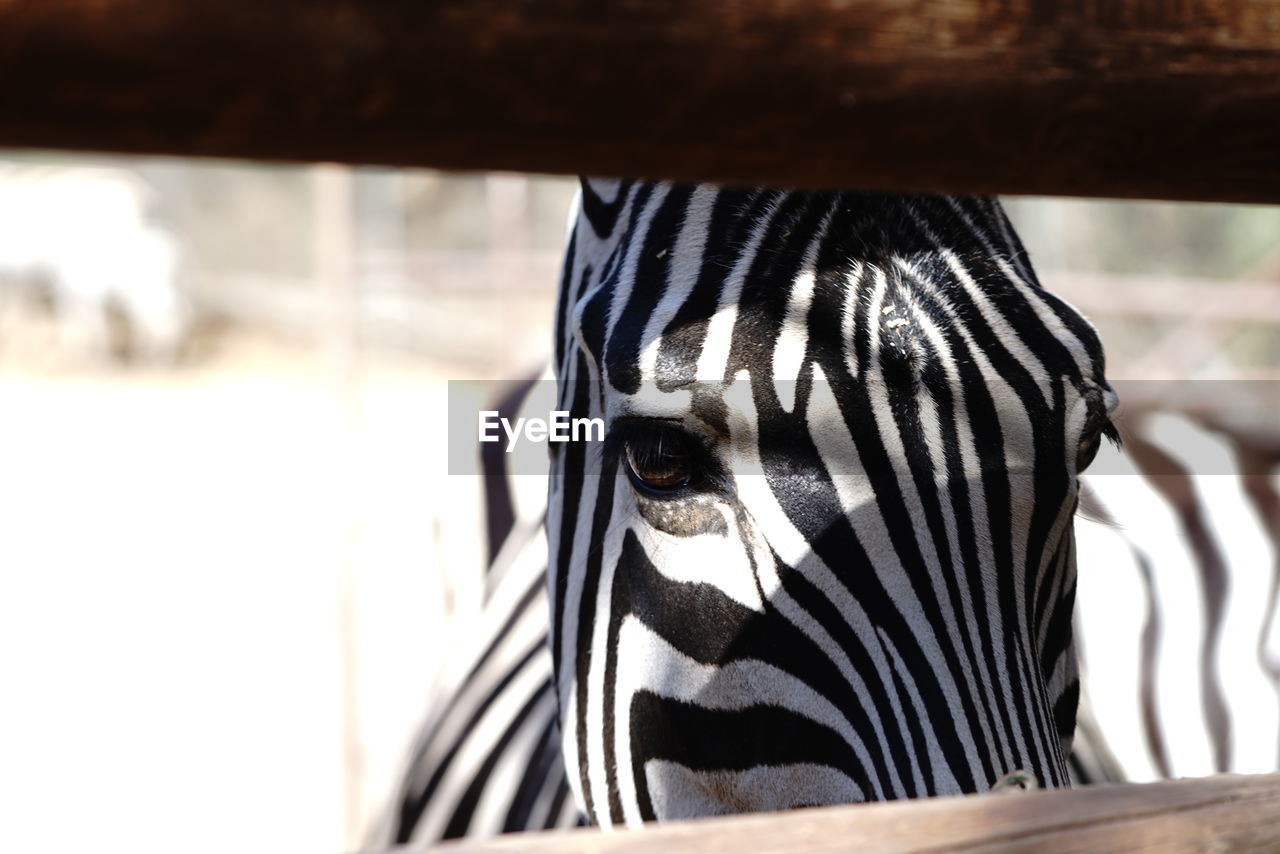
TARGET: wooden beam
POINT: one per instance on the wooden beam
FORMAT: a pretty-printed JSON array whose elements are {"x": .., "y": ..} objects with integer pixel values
[
  {"x": 1175, "y": 99},
  {"x": 1229, "y": 813}
]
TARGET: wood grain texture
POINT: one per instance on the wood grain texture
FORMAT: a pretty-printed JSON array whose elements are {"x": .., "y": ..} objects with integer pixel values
[
  {"x": 1175, "y": 99},
  {"x": 1220, "y": 814}
]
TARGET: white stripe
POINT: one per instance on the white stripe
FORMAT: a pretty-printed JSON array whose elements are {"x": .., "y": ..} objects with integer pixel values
[
  {"x": 793, "y": 336},
  {"x": 973, "y": 478},
  {"x": 1034, "y": 299},
  {"x": 680, "y": 792},
  {"x": 625, "y": 281},
  {"x": 686, "y": 264},
  {"x": 478, "y": 745},
  {"x": 597, "y": 251},
  {"x": 597, "y": 771},
  {"x": 853, "y": 281},
  {"x": 858, "y": 500},
  {"x": 646, "y": 662},
  {"x": 1005, "y": 400},
  {"x": 943, "y": 780},
  {"x": 999, "y": 325},
  {"x": 526, "y": 634},
  {"x": 504, "y": 780},
  {"x": 719, "y": 340},
  {"x": 782, "y": 537},
  {"x": 567, "y": 631}
]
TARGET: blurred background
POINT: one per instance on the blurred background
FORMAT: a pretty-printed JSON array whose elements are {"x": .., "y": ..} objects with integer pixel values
[{"x": 229, "y": 548}]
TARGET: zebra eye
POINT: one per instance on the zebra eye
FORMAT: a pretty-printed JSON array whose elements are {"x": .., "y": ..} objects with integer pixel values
[
  {"x": 660, "y": 461},
  {"x": 1097, "y": 426},
  {"x": 1087, "y": 450}
]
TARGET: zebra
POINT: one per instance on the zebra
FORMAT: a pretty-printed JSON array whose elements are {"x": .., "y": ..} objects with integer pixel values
[
  {"x": 1190, "y": 683},
  {"x": 827, "y": 556},
  {"x": 825, "y": 553},
  {"x": 487, "y": 758}
]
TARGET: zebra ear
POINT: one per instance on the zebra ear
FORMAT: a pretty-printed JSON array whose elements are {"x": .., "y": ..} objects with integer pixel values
[
  {"x": 602, "y": 201},
  {"x": 603, "y": 190}
]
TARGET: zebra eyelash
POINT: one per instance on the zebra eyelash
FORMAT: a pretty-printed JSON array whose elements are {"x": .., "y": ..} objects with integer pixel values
[
  {"x": 1102, "y": 423},
  {"x": 1099, "y": 426},
  {"x": 1112, "y": 433}
]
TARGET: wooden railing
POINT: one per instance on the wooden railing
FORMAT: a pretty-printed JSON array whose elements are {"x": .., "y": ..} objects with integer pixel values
[
  {"x": 1233, "y": 814},
  {"x": 1172, "y": 99}
]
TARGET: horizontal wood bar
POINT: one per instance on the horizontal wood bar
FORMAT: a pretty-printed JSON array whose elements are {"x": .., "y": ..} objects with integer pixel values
[
  {"x": 1228, "y": 813},
  {"x": 1173, "y": 99}
]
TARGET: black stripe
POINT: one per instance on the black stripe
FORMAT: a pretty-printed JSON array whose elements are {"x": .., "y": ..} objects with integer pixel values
[
  {"x": 732, "y": 217},
  {"x": 499, "y": 513},
  {"x": 412, "y": 808},
  {"x": 545, "y": 770},
  {"x": 602, "y": 215},
  {"x": 603, "y": 511},
  {"x": 565, "y": 294},
  {"x": 708, "y": 627},
  {"x": 462, "y": 816},
  {"x": 729, "y": 740},
  {"x": 595, "y": 317},
  {"x": 622, "y": 355}
]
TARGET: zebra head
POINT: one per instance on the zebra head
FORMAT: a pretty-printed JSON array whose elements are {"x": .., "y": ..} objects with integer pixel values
[{"x": 825, "y": 551}]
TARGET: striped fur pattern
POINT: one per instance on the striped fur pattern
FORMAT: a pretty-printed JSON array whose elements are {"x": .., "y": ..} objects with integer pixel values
[
  {"x": 487, "y": 759},
  {"x": 825, "y": 554},
  {"x": 1180, "y": 646},
  {"x": 1134, "y": 734}
]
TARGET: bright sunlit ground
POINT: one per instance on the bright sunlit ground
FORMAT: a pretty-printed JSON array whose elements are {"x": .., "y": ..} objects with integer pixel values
[{"x": 171, "y": 624}]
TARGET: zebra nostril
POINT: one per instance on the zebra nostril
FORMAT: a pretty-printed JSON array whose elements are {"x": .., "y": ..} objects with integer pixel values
[{"x": 1015, "y": 781}]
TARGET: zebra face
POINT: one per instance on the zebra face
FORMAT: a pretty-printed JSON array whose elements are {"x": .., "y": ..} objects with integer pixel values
[{"x": 825, "y": 553}]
